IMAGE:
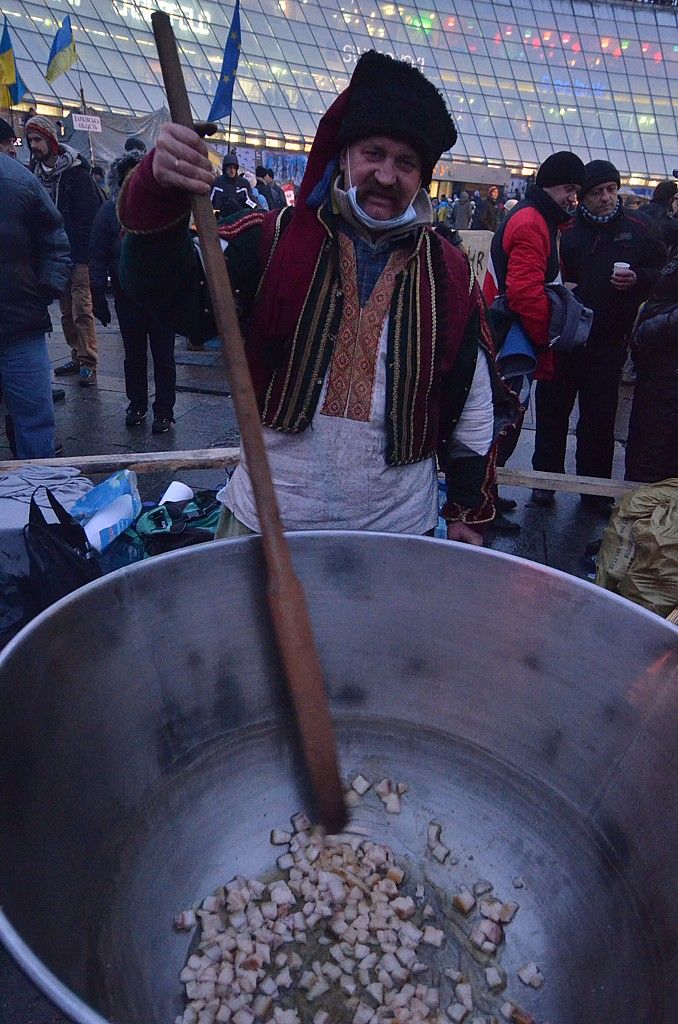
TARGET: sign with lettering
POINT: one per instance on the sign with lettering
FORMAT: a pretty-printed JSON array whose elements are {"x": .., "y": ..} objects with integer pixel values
[
  {"x": 187, "y": 21},
  {"x": 352, "y": 53},
  {"x": 477, "y": 247},
  {"x": 86, "y": 123}
]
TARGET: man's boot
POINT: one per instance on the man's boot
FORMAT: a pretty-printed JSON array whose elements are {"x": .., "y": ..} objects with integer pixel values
[{"x": 542, "y": 497}]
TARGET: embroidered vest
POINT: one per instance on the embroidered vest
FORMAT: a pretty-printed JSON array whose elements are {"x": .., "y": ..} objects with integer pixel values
[{"x": 429, "y": 307}]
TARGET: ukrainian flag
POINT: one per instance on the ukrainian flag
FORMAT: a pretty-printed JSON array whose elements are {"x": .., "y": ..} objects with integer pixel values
[
  {"x": 62, "y": 56},
  {"x": 11, "y": 86}
]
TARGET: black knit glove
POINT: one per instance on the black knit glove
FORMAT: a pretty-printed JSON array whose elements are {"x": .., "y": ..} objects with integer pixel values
[{"x": 100, "y": 306}]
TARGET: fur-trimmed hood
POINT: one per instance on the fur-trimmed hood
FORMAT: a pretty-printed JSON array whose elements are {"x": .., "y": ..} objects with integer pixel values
[{"x": 119, "y": 170}]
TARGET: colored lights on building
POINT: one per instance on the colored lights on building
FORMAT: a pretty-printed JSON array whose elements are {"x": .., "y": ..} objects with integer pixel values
[{"x": 520, "y": 82}]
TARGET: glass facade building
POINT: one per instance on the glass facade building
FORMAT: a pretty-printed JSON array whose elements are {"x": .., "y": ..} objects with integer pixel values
[{"x": 522, "y": 77}]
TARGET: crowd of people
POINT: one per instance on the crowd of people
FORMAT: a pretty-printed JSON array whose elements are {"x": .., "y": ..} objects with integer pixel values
[
  {"x": 61, "y": 240},
  {"x": 466, "y": 210},
  {"x": 377, "y": 358}
]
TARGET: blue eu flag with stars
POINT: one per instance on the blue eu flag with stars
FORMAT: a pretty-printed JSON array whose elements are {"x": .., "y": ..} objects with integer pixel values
[{"x": 223, "y": 97}]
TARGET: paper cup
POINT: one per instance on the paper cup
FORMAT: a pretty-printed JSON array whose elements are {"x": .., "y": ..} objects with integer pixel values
[
  {"x": 621, "y": 266},
  {"x": 176, "y": 492}
]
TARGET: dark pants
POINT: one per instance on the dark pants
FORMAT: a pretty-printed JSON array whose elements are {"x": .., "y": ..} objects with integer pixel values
[
  {"x": 593, "y": 375},
  {"x": 138, "y": 328}
]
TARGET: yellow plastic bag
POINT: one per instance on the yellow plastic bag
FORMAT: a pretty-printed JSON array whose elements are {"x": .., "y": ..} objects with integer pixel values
[{"x": 639, "y": 554}]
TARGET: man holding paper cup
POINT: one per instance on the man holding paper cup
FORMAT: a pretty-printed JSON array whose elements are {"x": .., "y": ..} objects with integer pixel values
[{"x": 612, "y": 257}]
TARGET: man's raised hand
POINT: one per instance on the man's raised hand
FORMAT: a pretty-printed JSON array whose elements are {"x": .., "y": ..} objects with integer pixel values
[{"x": 180, "y": 160}]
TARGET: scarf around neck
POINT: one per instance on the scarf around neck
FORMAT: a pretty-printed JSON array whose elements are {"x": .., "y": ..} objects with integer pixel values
[
  {"x": 49, "y": 176},
  {"x": 595, "y": 219}
]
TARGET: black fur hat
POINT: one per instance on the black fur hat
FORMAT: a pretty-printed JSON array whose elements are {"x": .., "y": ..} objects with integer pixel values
[{"x": 392, "y": 97}]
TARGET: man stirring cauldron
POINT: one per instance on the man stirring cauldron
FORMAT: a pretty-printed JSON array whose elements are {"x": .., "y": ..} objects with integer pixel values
[{"x": 366, "y": 338}]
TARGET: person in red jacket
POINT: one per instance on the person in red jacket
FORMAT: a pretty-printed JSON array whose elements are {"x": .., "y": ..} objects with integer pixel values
[{"x": 524, "y": 259}]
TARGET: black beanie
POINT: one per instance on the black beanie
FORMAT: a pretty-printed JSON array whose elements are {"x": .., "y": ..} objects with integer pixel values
[
  {"x": 597, "y": 172},
  {"x": 6, "y": 131},
  {"x": 563, "y": 168},
  {"x": 392, "y": 97}
]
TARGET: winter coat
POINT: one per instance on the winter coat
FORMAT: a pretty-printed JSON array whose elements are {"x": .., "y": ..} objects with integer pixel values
[
  {"x": 229, "y": 195},
  {"x": 461, "y": 213},
  {"x": 279, "y": 199},
  {"x": 525, "y": 259},
  {"x": 652, "y": 446},
  {"x": 264, "y": 190},
  {"x": 669, "y": 233},
  {"x": 105, "y": 244},
  {"x": 34, "y": 253},
  {"x": 588, "y": 252},
  {"x": 442, "y": 212},
  {"x": 656, "y": 210},
  {"x": 78, "y": 199},
  {"x": 485, "y": 216}
]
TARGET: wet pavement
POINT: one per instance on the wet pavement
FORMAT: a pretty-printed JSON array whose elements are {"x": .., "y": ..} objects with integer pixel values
[{"x": 92, "y": 422}]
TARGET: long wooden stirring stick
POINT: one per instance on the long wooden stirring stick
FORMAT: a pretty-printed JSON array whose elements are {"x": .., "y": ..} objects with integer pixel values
[{"x": 285, "y": 595}]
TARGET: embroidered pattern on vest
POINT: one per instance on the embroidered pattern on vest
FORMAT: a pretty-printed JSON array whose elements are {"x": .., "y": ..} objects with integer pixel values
[
  {"x": 406, "y": 443},
  {"x": 232, "y": 230},
  {"x": 295, "y": 386},
  {"x": 423, "y": 316},
  {"x": 353, "y": 369}
]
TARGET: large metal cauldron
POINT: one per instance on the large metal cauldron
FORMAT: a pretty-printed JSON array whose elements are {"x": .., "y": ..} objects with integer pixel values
[{"x": 145, "y": 753}]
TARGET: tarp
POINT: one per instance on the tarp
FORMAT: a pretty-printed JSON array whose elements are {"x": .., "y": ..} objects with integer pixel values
[
  {"x": 639, "y": 554},
  {"x": 104, "y": 147}
]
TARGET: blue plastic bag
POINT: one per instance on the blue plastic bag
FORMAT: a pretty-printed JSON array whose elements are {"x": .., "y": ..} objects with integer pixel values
[{"x": 109, "y": 508}]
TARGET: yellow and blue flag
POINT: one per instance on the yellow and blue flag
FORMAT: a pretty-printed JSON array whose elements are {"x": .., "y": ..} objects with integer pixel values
[
  {"x": 11, "y": 86},
  {"x": 223, "y": 97},
  {"x": 62, "y": 56}
]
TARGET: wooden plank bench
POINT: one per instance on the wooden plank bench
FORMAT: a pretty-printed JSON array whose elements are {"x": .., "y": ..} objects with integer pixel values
[{"x": 222, "y": 458}]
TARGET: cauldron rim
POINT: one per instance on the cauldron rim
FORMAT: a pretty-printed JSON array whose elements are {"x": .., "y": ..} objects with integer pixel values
[
  {"x": 47, "y": 982},
  {"x": 482, "y": 552}
]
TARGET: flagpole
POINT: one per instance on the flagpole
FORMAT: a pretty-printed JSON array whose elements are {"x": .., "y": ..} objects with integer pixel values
[
  {"x": 82, "y": 90},
  {"x": 82, "y": 99},
  {"x": 230, "y": 116}
]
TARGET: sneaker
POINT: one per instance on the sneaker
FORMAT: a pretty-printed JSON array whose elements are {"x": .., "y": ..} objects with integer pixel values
[
  {"x": 133, "y": 417},
  {"x": 542, "y": 497},
  {"x": 71, "y": 367},
  {"x": 503, "y": 526},
  {"x": 58, "y": 394},
  {"x": 67, "y": 369},
  {"x": 87, "y": 377},
  {"x": 505, "y": 504},
  {"x": 161, "y": 424}
]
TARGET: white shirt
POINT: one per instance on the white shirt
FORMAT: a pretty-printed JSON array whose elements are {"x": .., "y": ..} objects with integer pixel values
[{"x": 333, "y": 475}]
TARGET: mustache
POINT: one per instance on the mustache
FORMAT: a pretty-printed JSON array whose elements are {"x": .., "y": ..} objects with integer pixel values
[{"x": 371, "y": 188}]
